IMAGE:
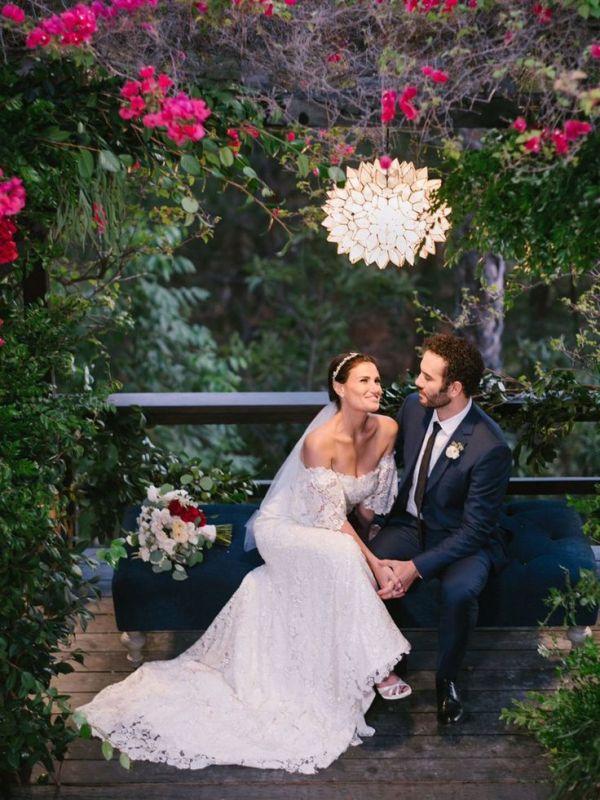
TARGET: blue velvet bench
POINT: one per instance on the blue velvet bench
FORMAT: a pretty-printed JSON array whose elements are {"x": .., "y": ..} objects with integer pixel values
[{"x": 545, "y": 540}]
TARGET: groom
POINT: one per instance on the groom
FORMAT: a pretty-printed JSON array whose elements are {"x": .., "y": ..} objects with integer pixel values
[{"x": 443, "y": 524}]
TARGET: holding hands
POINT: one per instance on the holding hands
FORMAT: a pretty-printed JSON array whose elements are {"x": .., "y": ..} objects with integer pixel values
[{"x": 396, "y": 578}]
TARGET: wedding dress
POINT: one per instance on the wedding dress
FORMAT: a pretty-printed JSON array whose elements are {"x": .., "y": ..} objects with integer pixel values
[{"x": 284, "y": 675}]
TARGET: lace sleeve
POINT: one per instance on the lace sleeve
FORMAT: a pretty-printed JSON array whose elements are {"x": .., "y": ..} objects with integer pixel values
[
  {"x": 386, "y": 490},
  {"x": 319, "y": 499}
]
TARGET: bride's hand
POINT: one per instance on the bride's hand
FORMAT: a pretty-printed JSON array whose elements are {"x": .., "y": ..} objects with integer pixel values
[{"x": 385, "y": 578}]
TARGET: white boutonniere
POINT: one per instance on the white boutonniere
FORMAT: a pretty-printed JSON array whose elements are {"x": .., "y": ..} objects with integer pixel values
[{"x": 454, "y": 450}]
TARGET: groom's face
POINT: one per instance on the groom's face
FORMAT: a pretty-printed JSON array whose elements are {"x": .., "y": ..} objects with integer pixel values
[{"x": 431, "y": 381}]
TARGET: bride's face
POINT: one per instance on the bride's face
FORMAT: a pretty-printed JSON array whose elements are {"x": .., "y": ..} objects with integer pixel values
[{"x": 362, "y": 390}]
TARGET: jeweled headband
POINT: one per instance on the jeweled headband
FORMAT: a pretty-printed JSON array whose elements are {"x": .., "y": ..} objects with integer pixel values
[{"x": 336, "y": 371}]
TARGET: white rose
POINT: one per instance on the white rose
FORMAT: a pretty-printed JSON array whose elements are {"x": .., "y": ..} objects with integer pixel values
[
  {"x": 168, "y": 546},
  {"x": 209, "y": 532},
  {"x": 144, "y": 554},
  {"x": 452, "y": 451},
  {"x": 152, "y": 494}
]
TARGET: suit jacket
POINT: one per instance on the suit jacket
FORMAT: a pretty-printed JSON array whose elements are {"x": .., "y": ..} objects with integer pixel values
[{"x": 463, "y": 496}]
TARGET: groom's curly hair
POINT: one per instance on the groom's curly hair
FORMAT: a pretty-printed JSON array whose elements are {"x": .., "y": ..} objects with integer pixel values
[{"x": 463, "y": 360}]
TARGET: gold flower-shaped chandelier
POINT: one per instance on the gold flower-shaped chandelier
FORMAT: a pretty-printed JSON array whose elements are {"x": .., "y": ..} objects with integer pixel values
[{"x": 384, "y": 215}]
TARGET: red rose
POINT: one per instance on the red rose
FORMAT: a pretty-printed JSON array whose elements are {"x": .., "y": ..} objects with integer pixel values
[{"x": 187, "y": 513}]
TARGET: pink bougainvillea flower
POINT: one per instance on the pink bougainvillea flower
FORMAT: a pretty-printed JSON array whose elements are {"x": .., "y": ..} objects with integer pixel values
[
  {"x": 520, "y": 125},
  {"x": 201, "y": 8},
  {"x": 13, "y": 13},
  {"x": 595, "y": 51},
  {"x": 388, "y": 106},
  {"x": 533, "y": 145},
  {"x": 12, "y": 197},
  {"x": 73, "y": 27},
  {"x": 334, "y": 58},
  {"x": 8, "y": 248},
  {"x": 99, "y": 217},
  {"x": 543, "y": 13},
  {"x": 131, "y": 89},
  {"x": 146, "y": 72},
  {"x": 574, "y": 128},
  {"x": 290, "y": 2},
  {"x": 436, "y": 75},
  {"x": 164, "y": 83},
  {"x": 250, "y": 130},
  {"x": 234, "y": 135},
  {"x": 269, "y": 10},
  {"x": 409, "y": 111},
  {"x": 385, "y": 162},
  {"x": 560, "y": 142},
  {"x": 2, "y": 342},
  {"x": 472, "y": 3},
  {"x": 449, "y": 6},
  {"x": 291, "y": 136}
]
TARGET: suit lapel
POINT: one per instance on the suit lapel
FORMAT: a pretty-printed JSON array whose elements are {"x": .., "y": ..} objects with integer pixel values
[{"x": 461, "y": 434}]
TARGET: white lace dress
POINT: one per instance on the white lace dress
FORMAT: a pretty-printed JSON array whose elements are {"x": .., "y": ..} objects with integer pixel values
[{"x": 284, "y": 675}]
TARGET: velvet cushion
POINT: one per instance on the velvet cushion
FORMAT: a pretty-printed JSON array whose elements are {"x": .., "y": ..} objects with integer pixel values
[{"x": 145, "y": 600}]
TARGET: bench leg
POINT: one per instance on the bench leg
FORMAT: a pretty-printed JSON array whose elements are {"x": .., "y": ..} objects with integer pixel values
[
  {"x": 134, "y": 642},
  {"x": 577, "y": 634}
]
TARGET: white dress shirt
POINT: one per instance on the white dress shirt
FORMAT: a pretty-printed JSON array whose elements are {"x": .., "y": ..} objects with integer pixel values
[{"x": 448, "y": 426}]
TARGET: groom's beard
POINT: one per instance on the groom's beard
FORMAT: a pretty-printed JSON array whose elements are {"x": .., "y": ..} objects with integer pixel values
[{"x": 438, "y": 400}]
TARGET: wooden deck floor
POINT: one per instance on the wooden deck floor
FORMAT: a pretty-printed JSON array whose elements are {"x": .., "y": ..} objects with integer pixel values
[{"x": 408, "y": 758}]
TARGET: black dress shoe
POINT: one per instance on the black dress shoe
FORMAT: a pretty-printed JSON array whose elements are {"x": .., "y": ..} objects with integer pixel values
[{"x": 449, "y": 705}]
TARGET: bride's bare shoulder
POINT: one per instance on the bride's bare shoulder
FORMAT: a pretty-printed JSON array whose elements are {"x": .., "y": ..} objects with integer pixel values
[
  {"x": 387, "y": 431},
  {"x": 317, "y": 450}
]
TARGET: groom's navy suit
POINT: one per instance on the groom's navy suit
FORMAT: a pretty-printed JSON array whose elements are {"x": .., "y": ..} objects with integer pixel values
[{"x": 458, "y": 541}]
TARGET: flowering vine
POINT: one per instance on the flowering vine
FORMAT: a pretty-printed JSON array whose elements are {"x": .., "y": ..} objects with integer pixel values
[
  {"x": 181, "y": 116},
  {"x": 12, "y": 201}
]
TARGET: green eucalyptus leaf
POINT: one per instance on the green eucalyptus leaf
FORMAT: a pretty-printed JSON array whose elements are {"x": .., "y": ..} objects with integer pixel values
[
  {"x": 109, "y": 161},
  {"x": 191, "y": 165},
  {"x": 85, "y": 164},
  {"x": 190, "y": 204},
  {"x": 226, "y": 156}
]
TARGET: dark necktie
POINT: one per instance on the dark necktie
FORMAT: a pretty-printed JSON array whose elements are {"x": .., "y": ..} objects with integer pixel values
[{"x": 424, "y": 468}]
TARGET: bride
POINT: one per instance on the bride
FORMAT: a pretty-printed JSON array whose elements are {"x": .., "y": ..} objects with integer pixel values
[{"x": 284, "y": 675}]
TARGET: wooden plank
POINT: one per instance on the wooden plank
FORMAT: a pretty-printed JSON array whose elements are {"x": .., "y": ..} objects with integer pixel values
[
  {"x": 420, "y": 639},
  {"x": 476, "y": 700},
  {"x": 421, "y": 679},
  {"x": 202, "y": 408},
  {"x": 382, "y": 790},
  {"x": 344, "y": 770},
  {"x": 481, "y": 660},
  {"x": 399, "y": 745},
  {"x": 424, "y": 723}
]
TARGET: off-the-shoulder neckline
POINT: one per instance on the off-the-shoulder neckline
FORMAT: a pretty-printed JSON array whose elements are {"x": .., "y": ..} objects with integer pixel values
[{"x": 347, "y": 474}]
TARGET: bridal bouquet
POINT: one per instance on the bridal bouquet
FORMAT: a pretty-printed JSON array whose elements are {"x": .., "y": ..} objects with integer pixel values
[{"x": 172, "y": 532}]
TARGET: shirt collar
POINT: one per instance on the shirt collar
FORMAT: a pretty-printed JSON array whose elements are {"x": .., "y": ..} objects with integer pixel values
[{"x": 451, "y": 424}]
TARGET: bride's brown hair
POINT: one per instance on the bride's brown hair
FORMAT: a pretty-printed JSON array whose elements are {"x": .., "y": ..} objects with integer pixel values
[{"x": 339, "y": 369}]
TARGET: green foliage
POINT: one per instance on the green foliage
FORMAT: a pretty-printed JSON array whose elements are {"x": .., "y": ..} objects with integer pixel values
[
  {"x": 314, "y": 305},
  {"x": 541, "y": 214},
  {"x": 41, "y": 584},
  {"x": 567, "y": 722},
  {"x": 540, "y": 411},
  {"x": 589, "y": 508}
]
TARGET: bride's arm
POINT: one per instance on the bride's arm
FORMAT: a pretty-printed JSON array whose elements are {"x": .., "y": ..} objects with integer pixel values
[
  {"x": 388, "y": 434},
  {"x": 318, "y": 452}
]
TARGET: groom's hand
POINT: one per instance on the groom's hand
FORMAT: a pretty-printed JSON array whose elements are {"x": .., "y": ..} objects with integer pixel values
[{"x": 405, "y": 573}]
